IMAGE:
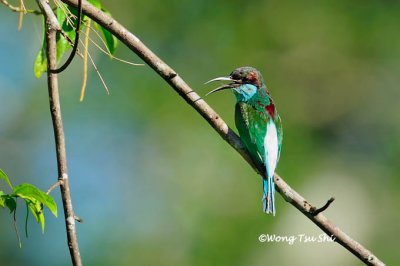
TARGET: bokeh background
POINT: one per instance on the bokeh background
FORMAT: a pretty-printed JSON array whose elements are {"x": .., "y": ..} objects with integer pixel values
[{"x": 156, "y": 185}]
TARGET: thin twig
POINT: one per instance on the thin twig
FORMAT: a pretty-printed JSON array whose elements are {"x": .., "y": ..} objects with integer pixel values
[
  {"x": 51, "y": 29},
  {"x": 85, "y": 45},
  {"x": 78, "y": 219},
  {"x": 20, "y": 10},
  {"x": 64, "y": 34},
  {"x": 98, "y": 73},
  {"x": 314, "y": 211},
  {"x": 21, "y": 14},
  {"x": 26, "y": 219},
  {"x": 16, "y": 227},
  {"x": 192, "y": 98},
  {"x": 106, "y": 50},
  {"x": 56, "y": 184},
  {"x": 85, "y": 59},
  {"x": 69, "y": 16},
  {"x": 75, "y": 46}
]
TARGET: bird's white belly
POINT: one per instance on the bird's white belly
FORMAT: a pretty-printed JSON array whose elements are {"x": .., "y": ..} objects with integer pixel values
[{"x": 271, "y": 147}]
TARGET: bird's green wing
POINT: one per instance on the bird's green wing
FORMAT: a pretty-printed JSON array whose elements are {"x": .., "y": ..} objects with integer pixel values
[{"x": 252, "y": 128}]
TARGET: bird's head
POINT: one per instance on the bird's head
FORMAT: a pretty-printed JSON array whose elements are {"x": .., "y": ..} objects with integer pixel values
[{"x": 244, "y": 81}]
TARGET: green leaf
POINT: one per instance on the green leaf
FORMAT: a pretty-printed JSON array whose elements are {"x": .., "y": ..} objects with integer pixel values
[
  {"x": 40, "y": 64},
  {"x": 36, "y": 209},
  {"x": 95, "y": 3},
  {"x": 5, "y": 178},
  {"x": 2, "y": 199},
  {"x": 62, "y": 44},
  {"x": 110, "y": 40},
  {"x": 30, "y": 192},
  {"x": 11, "y": 203}
]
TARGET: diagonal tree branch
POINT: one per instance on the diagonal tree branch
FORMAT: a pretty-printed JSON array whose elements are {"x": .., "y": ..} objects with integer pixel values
[
  {"x": 193, "y": 99},
  {"x": 52, "y": 27}
]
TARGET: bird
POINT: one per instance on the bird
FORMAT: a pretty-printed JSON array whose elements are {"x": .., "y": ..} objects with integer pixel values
[{"x": 258, "y": 123}]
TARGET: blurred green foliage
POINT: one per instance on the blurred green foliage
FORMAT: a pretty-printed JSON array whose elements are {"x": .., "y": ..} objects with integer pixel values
[{"x": 156, "y": 185}]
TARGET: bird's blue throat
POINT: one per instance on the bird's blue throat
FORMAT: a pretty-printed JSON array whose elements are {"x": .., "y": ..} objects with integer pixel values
[{"x": 245, "y": 92}]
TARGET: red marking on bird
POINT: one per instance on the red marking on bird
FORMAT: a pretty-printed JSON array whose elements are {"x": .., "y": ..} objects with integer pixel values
[
  {"x": 271, "y": 110},
  {"x": 252, "y": 77}
]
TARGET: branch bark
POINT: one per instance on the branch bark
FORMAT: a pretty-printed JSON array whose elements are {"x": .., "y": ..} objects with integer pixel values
[
  {"x": 52, "y": 27},
  {"x": 193, "y": 99}
]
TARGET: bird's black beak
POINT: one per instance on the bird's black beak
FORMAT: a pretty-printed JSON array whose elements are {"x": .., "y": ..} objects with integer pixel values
[{"x": 232, "y": 84}]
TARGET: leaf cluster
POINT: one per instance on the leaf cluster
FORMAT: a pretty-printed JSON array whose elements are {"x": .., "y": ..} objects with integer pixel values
[
  {"x": 33, "y": 197},
  {"x": 65, "y": 38}
]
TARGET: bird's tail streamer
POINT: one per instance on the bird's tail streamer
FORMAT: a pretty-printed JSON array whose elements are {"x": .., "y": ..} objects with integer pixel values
[{"x": 269, "y": 195}]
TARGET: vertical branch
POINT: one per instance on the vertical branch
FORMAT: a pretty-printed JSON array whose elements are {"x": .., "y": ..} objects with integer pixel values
[{"x": 52, "y": 27}]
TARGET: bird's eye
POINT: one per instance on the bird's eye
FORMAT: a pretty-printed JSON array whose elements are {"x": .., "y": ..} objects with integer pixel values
[{"x": 235, "y": 76}]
